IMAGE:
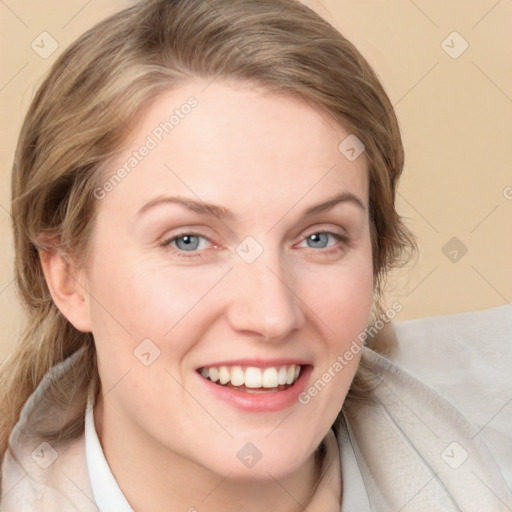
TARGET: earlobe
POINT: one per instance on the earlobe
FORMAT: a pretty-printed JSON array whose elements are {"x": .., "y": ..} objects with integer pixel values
[{"x": 68, "y": 292}]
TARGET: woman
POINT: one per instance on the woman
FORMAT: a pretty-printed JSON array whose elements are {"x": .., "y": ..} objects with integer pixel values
[{"x": 203, "y": 208}]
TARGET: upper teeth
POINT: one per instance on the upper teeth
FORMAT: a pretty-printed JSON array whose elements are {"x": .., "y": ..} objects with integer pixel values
[{"x": 253, "y": 377}]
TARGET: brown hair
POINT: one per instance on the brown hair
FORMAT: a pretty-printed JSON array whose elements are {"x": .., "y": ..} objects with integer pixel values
[{"x": 90, "y": 100}]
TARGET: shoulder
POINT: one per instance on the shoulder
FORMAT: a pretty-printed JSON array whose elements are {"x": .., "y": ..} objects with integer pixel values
[
  {"x": 440, "y": 413},
  {"x": 467, "y": 359},
  {"x": 46, "y": 476},
  {"x": 41, "y": 469}
]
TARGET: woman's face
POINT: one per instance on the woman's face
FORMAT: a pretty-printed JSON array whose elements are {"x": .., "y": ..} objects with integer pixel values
[{"x": 235, "y": 245}]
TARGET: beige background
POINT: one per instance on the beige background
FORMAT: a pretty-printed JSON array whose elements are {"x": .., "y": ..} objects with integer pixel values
[{"x": 455, "y": 115}]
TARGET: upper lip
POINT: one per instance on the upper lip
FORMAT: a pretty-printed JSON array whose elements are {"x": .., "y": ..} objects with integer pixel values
[{"x": 257, "y": 362}]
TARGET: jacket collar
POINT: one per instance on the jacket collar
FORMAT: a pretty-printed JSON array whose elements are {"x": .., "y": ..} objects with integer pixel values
[
  {"x": 41, "y": 469},
  {"x": 417, "y": 452},
  {"x": 408, "y": 449}
]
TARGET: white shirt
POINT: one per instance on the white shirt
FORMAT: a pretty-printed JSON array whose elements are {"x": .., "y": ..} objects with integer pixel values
[
  {"x": 468, "y": 396},
  {"x": 110, "y": 498},
  {"x": 401, "y": 450},
  {"x": 107, "y": 494}
]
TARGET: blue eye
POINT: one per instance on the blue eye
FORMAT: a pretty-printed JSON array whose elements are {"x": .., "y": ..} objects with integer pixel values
[
  {"x": 187, "y": 242},
  {"x": 193, "y": 244},
  {"x": 320, "y": 240}
]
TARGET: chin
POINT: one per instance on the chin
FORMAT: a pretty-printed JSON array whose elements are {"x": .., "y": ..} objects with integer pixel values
[{"x": 246, "y": 461}]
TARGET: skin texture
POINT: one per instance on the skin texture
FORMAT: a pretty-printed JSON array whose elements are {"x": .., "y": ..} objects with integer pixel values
[{"x": 170, "y": 443}]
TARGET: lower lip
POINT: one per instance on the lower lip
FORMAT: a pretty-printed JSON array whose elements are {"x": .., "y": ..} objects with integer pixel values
[{"x": 261, "y": 402}]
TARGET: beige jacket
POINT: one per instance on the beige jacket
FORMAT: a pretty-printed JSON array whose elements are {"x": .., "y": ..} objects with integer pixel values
[{"x": 416, "y": 449}]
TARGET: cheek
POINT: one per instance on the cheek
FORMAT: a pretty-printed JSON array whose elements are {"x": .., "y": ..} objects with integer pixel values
[
  {"x": 349, "y": 296},
  {"x": 343, "y": 304},
  {"x": 162, "y": 299},
  {"x": 134, "y": 300},
  {"x": 342, "y": 301},
  {"x": 342, "y": 297}
]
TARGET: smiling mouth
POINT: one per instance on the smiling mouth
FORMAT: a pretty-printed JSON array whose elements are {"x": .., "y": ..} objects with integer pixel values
[{"x": 251, "y": 379}]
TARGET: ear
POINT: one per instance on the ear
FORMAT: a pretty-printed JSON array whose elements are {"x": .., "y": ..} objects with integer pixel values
[{"x": 67, "y": 289}]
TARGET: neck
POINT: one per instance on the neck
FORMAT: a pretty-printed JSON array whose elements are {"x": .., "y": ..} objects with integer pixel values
[{"x": 155, "y": 478}]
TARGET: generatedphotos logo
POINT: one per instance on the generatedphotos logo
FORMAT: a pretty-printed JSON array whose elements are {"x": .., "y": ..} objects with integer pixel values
[
  {"x": 344, "y": 359},
  {"x": 152, "y": 140}
]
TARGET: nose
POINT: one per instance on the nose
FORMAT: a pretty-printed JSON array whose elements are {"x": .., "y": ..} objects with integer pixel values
[{"x": 263, "y": 301}]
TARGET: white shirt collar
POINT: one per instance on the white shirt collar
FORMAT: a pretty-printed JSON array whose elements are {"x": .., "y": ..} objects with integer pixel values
[
  {"x": 109, "y": 497},
  {"x": 107, "y": 494}
]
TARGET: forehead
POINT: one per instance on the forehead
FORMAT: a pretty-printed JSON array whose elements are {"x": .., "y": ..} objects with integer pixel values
[{"x": 229, "y": 142}]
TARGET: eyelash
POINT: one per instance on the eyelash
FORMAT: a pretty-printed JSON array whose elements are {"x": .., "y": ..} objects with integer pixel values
[{"x": 166, "y": 244}]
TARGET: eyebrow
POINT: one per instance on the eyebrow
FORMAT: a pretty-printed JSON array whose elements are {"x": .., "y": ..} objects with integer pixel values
[{"x": 222, "y": 213}]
